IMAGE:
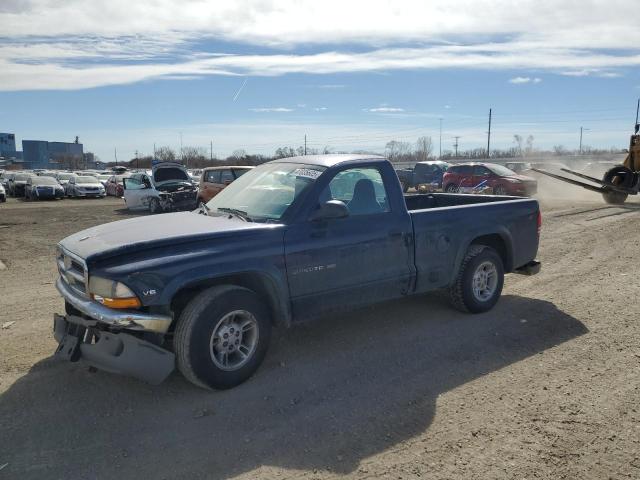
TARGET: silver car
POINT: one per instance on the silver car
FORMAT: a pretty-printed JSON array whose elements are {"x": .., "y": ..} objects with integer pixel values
[{"x": 84, "y": 186}]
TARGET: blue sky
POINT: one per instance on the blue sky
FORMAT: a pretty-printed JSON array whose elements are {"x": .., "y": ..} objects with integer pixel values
[{"x": 153, "y": 74}]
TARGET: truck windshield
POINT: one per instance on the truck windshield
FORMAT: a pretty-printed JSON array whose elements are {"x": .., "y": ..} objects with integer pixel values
[{"x": 266, "y": 192}]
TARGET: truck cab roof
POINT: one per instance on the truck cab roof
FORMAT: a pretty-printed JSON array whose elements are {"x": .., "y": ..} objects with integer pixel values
[{"x": 330, "y": 160}]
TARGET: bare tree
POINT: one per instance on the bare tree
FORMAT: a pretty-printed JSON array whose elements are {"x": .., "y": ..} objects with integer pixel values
[
  {"x": 395, "y": 150},
  {"x": 529, "y": 144},
  {"x": 424, "y": 148},
  {"x": 518, "y": 141},
  {"x": 166, "y": 154},
  {"x": 239, "y": 154}
]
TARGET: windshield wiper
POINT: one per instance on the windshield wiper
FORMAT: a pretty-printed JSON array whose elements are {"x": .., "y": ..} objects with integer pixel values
[{"x": 238, "y": 213}]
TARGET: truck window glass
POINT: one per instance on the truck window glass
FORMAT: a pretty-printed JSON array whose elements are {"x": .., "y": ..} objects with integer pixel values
[{"x": 361, "y": 189}]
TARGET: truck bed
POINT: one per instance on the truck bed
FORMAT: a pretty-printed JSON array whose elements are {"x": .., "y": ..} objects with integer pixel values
[
  {"x": 446, "y": 224},
  {"x": 437, "y": 200}
]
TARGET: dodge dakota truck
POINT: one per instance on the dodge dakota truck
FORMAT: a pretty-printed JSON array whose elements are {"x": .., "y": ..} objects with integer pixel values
[{"x": 290, "y": 240}]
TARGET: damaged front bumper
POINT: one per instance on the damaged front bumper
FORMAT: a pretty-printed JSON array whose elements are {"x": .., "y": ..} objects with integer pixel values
[
  {"x": 120, "y": 353},
  {"x": 110, "y": 339},
  {"x": 131, "y": 319}
]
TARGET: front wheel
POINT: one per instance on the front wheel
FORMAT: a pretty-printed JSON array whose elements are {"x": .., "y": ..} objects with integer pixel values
[
  {"x": 222, "y": 337},
  {"x": 452, "y": 188},
  {"x": 154, "y": 206},
  {"x": 478, "y": 286}
]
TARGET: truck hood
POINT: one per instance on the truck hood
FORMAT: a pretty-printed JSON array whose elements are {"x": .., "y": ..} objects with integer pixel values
[{"x": 154, "y": 231}]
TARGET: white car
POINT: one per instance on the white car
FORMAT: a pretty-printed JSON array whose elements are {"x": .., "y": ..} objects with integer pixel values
[
  {"x": 84, "y": 186},
  {"x": 3, "y": 194},
  {"x": 167, "y": 187}
]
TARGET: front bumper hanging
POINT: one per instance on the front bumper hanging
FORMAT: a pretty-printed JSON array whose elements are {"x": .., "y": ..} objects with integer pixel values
[{"x": 121, "y": 353}]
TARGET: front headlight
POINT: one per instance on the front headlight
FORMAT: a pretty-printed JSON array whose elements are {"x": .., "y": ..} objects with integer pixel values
[
  {"x": 112, "y": 294},
  {"x": 513, "y": 180}
]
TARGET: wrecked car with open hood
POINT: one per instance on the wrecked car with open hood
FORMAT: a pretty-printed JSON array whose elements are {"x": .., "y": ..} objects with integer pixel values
[{"x": 167, "y": 188}]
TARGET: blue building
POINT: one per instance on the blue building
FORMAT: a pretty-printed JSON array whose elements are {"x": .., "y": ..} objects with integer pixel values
[
  {"x": 60, "y": 155},
  {"x": 8, "y": 153}
]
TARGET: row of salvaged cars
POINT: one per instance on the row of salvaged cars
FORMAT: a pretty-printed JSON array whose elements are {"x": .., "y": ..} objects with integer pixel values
[{"x": 166, "y": 186}]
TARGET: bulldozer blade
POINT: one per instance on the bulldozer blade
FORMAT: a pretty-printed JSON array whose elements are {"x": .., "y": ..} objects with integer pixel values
[{"x": 593, "y": 188}]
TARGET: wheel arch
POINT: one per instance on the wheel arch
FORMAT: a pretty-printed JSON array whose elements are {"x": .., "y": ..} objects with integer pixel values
[
  {"x": 258, "y": 282},
  {"x": 500, "y": 241}
]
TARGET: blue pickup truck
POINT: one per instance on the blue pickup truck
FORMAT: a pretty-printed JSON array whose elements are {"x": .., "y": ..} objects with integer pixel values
[{"x": 291, "y": 240}]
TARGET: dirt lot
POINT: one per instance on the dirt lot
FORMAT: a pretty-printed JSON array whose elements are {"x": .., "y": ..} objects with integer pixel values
[{"x": 544, "y": 386}]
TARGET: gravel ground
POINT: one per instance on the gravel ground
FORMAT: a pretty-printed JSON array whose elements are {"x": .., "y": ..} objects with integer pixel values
[{"x": 544, "y": 386}]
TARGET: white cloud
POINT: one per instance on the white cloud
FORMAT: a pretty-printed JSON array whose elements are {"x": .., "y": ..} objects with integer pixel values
[
  {"x": 320, "y": 109},
  {"x": 43, "y": 49},
  {"x": 521, "y": 80},
  {"x": 271, "y": 109},
  {"x": 331, "y": 86},
  {"x": 384, "y": 110}
]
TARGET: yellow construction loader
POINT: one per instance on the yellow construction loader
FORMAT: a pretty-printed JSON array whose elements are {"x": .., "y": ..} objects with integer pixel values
[{"x": 618, "y": 182}]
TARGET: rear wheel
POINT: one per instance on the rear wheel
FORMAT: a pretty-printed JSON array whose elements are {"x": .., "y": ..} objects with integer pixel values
[
  {"x": 222, "y": 337},
  {"x": 478, "y": 285}
]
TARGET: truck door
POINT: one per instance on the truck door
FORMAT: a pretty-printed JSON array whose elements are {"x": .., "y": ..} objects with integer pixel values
[{"x": 362, "y": 258}]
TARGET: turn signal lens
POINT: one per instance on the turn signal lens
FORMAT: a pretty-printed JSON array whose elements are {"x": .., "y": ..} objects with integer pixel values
[{"x": 129, "y": 302}]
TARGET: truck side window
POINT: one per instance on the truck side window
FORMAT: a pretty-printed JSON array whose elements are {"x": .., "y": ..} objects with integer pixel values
[
  {"x": 226, "y": 176},
  {"x": 213, "y": 176},
  {"x": 361, "y": 189}
]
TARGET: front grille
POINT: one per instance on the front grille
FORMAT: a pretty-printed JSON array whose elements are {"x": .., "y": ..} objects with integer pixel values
[{"x": 72, "y": 270}]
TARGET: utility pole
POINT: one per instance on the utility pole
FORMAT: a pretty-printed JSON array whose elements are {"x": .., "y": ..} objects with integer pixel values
[
  {"x": 154, "y": 150},
  {"x": 581, "y": 130},
  {"x": 305, "y": 143},
  {"x": 211, "y": 152},
  {"x": 489, "y": 136},
  {"x": 440, "y": 144},
  {"x": 181, "y": 154},
  {"x": 137, "y": 161},
  {"x": 115, "y": 154},
  {"x": 456, "y": 145}
]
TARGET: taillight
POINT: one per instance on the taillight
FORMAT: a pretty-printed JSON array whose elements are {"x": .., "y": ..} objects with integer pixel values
[{"x": 539, "y": 222}]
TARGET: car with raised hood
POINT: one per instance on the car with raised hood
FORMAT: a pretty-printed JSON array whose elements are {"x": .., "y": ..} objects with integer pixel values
[
  {"x": 290, "y": 240},
  {"x": 84, "y": 186},
  {"x": 214, "y": 179},
  {"x": 500, "y": 179},
  {"x": 43, "y": 188},
  {"x": 168, "y": 187}
]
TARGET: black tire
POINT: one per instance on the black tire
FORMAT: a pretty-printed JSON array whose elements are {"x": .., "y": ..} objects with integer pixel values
[
  {"x": 154, "y": 206},
  {"x": 613, "y": 197},
  {"x": 196, "y": 327},
  {"x": 461, "y": 292},
  {"x": 405, "y": 187},
  {"x": 499, "y": 190},
  {"x": 451, "y": 188}
]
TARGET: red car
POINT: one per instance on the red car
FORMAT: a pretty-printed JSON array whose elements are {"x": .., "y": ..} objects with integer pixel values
[
  {"x": 114, "y": 185},
  {"x": 502, "y": 180}
]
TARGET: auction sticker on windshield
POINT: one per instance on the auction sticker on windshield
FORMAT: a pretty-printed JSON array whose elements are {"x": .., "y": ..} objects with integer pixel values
[{"x": 307, "y": 173}]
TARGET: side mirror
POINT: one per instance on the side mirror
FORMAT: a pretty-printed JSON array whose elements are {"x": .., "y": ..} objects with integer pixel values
[{"x": 329, "y": 210}]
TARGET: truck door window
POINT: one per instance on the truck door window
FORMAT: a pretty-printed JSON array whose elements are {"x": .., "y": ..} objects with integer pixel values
[
  {"x": 226, "y": 176},
  {"x": 213, "y": 176},
  {"x": 361, "y": 189}
]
